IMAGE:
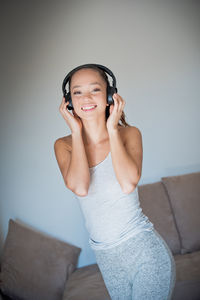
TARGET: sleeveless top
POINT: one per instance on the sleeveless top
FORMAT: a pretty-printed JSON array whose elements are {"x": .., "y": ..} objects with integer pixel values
[{"x": 111, "y": 216}]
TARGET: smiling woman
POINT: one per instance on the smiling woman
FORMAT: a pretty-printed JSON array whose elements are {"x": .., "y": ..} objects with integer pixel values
[
  {"x": 101, "y": 163},
  {"x": 104, "y": 77}
]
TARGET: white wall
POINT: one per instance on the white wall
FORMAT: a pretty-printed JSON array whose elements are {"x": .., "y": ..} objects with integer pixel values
[{"x": 153, "y": 49}]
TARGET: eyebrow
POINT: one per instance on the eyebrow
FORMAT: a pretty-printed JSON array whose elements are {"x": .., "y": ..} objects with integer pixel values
[{"x": 76, "y": 86}]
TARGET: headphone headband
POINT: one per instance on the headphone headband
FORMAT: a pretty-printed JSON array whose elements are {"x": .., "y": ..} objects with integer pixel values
[{"x": 66, "y": 79}]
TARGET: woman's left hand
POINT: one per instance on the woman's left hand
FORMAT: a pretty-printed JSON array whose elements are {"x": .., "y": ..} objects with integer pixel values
[{"x": 115, "y": 112}]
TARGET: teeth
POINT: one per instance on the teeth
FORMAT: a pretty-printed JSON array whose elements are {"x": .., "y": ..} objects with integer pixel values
[{"x": 88, "y": 107}]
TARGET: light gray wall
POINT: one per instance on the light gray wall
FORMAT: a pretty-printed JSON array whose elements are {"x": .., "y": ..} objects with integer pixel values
[{"x": 153, "y": 49}]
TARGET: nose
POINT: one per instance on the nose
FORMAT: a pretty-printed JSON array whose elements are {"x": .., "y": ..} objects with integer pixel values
[{"x": 86, "y": 95}]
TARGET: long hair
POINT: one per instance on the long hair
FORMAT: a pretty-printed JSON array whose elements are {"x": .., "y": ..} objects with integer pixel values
[{"x": 122, "y": 122}]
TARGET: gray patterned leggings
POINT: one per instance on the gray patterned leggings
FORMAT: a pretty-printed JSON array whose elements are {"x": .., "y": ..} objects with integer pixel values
[{"x": 140, "y": 268}]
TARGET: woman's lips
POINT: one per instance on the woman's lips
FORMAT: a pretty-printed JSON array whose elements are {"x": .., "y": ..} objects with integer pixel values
[{"x": 88, "y": 107}]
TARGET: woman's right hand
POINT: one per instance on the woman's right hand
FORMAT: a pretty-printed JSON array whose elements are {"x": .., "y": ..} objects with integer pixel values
[{"x": 73, "y": 121}]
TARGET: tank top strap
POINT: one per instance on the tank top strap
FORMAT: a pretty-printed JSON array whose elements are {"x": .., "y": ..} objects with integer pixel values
[{"x": 108, "y": 157}]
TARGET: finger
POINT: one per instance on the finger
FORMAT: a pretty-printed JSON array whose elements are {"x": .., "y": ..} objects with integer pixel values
[
  {"x": 115, "y": 99},
  {"x": 121, "y": 106},
  {"x": 119, "y": 97},
  {"x": 111, "y": 108},
  {"x": 64, "y": 109},
  {"x": 62, "y": 103},
  {"x": 121, "y": 101},
  {"x": 63, "y": 100},
  {"x": 117, "y": 104},
  {"x": 66, "y": 104}
]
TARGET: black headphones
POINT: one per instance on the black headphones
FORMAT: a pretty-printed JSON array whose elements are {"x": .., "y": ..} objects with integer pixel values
[{"x": 110, "y": 89}]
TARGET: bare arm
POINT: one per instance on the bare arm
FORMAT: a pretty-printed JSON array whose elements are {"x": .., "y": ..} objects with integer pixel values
[
  {"x": 73, "y": 164},
  {"x": 127, "y": 159},
  {"x": 78, "y": 175}
]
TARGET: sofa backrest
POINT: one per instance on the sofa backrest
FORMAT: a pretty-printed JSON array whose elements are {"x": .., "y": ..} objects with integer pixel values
[
  {"x": 184, "y": 196},
  {"x": 155, "y": 204},
  {"x": 173, "y": 206}
]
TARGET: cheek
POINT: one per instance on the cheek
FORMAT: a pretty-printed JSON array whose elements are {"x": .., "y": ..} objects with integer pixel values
[
  {"x": 75, "y": 103},
  {"x": 104, "y": 99}
]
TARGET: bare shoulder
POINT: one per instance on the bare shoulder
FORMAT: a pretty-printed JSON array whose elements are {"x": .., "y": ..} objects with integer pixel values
[
  {"x": 130, "y": 132},
  {"x": 65, "y": 141}
]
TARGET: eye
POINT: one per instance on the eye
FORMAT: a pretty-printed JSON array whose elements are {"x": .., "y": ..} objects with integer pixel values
[{"x": 76, "y": 93}]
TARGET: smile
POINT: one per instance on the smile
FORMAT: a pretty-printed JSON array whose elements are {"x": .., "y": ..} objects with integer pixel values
[{"x": 89, "y": 108}]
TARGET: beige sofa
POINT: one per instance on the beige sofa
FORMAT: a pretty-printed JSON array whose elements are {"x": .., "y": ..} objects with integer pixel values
[{"x": 172, "y": 204}]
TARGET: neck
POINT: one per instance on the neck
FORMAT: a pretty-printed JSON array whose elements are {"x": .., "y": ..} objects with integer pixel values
[{"x": 94, "y": 132}]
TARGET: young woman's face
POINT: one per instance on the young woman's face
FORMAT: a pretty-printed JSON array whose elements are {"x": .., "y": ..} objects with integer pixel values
[{"x": 88, "y": 93}]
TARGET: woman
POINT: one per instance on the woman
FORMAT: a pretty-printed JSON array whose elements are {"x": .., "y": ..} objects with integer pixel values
[{"x": 101, "y": 163}]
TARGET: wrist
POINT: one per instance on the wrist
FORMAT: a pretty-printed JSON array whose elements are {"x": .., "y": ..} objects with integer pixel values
[
  {"x": 113, "y": 131},
  {"x": 77, "y": 133}
]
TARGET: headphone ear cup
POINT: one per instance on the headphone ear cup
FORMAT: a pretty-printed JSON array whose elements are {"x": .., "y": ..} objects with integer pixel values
[
  {"x": 68, "y": 98},
  {"x": 110, "y": 91}
]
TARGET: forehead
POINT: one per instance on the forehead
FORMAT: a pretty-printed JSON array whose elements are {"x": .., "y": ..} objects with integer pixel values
[{"x": 86, "y": 76}]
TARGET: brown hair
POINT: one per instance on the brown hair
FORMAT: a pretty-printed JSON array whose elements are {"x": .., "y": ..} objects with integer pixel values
[{"x": 105, "y": 77}]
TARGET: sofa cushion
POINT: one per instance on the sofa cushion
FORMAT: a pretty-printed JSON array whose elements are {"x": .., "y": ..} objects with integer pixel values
[
  {"x": 184, "y": 195},
  {"x": 86, "y": 283},
  {"x": 187, "y": 266},
  {"x": 35, "y": 265},
  {"x": 155, "y": 204},
  {"x": 187, "y": 276}
]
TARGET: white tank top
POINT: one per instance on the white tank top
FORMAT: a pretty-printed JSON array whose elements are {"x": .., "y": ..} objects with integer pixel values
[{"x": 111, "y": 215}]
